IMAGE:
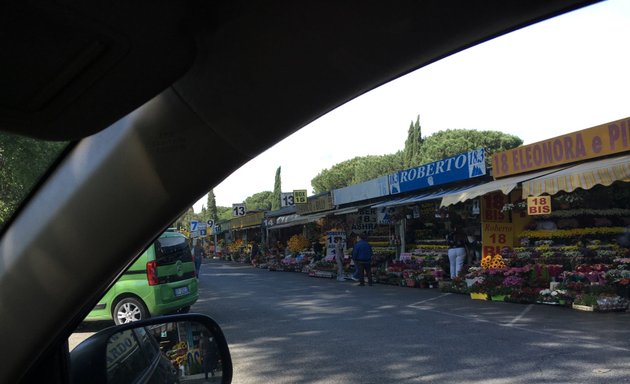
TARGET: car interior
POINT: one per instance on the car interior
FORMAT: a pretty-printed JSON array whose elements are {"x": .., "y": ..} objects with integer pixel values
[{"x": 161, "y": 101}]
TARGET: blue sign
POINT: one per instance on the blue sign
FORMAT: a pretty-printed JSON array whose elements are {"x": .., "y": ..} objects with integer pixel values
[{"x": 456, "y": 168}]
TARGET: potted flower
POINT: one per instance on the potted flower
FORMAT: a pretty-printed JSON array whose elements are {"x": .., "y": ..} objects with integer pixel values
[{"x": 479, "y": 290}]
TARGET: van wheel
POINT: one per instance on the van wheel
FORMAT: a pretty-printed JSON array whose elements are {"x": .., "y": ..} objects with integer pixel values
[
  {"x": 185, "y": 309},
  {"x": 128, "y": 310}
]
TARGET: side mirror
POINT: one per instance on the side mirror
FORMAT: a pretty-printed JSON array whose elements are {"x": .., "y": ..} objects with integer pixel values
[{"x": 164, "y": 349}]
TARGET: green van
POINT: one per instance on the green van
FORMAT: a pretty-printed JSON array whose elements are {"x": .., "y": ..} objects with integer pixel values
[{"x": 161, "y": 281}]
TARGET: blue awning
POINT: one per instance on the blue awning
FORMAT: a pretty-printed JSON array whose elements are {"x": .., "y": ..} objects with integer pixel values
[{"x": 436, "y": 194}]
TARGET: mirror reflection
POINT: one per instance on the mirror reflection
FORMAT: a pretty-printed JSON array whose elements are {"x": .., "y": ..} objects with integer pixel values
[{"x": 164, "y": 353}]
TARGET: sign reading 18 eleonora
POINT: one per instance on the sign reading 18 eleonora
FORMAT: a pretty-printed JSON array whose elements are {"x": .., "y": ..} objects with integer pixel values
[
  {"x": 238, "y": 210},
  {"x": 460, "y": 167}
]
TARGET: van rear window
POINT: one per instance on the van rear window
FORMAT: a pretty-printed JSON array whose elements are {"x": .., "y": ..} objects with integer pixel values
[{"x": 169, "y": 250}]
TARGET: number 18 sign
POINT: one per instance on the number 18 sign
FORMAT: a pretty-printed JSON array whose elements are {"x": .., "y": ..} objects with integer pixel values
[{"x": 539, "y": 205}]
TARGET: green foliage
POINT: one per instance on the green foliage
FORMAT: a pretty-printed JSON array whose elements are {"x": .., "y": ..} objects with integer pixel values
[
  {"x": 277, "y": 191},
  {"x": 452, "y": 142},
  {"x": 22, "y": 162},
  {"x": 356, "y": 171},
  {"x": 413, "y": 145},
  {"x": 183, "y": 222},
  {"x": 224, "y": 213},
  {"x": 212, "y": 206},
  {"x": 260, "y": 201}
]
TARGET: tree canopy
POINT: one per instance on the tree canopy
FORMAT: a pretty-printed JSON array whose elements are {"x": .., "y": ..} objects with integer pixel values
[
  {"x": 417, "y": 151},
  {"x": 356, "y": 170},
  {"x": 452, "y": 142},
  {"x": 22, "y": 162},
  {"x": 413, "y": 145},
  {"x": 260, "y": 201},
  {"x": 212, "y": 206},
  {"x": 277, "y": 191}
]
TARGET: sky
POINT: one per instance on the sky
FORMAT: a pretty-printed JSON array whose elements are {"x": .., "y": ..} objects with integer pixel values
[{"x": 552, "y": 78}]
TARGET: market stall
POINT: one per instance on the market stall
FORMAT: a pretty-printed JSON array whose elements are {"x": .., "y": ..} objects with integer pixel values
[{"x": 560, "y": 235}]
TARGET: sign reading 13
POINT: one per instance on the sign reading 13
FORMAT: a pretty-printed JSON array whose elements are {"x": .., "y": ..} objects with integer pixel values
[
  {"x": 238, "y": 210},
  {"x": 286, "y": 199}
]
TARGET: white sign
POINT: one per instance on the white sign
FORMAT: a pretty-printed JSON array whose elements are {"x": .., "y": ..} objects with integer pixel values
[
  {"x": 286, "y": 199},
  {"x": 210, "y": 223},
  {"x": 193, "y": 225},
  {"x": 331, "y": 240},
  {"x": 238, "y": 210},
  {"x": 202, "y": 229}
]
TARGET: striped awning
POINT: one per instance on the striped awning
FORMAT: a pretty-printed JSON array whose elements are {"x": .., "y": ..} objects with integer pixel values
[
  {"x": 505, "y": 185},
  {"x": 585, "y": 176}
]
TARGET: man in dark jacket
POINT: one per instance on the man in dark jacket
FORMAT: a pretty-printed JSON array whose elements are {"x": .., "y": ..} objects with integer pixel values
[{"x": 362, "y": 256}]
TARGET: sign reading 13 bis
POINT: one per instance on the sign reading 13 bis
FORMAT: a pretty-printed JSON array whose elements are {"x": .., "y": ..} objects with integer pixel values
[
  {"x": 299, "y": 196},
  {"x": 238, "y": 210}
]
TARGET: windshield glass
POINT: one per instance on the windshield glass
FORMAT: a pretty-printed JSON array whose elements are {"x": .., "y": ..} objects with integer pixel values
[
  {"x": 23, "y": 161},
  {"x": 555, "y": 77}
]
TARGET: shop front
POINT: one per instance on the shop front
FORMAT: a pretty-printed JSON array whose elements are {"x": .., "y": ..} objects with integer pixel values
[
  {"x": 555, "y": 222},
  {"x": 245, "y": 230},
  {"x": 421, "y": 225}
]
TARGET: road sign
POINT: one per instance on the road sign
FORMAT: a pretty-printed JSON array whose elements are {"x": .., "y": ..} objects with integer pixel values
[
  {"x": 202, "y": 229},
  {"x": 286, "y": 199},
  {"x": 210, "y": 223},
  {"x": 299, "y": 196},
  {"x": 193, "y": 225},
  {"x": 194, "y": 234},
  {"x": 238, "y": 210},
  {"x": 217, "y": 229}
]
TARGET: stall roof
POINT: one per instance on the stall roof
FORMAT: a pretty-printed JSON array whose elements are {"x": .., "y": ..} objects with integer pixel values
[
  {"x": 584, "y": 175},
  {"x": 292, "y": 220},
  {"x": 346, "y": 210},
  {"x": 505, "y": 185},
  {"x": 425, "y": 196}
]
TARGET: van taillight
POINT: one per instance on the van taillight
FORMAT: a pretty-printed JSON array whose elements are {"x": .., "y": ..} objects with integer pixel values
[{"x": 152, "y": 273}]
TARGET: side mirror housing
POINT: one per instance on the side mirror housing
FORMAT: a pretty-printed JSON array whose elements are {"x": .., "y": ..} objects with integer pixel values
[{"x": 166, "y": 349}]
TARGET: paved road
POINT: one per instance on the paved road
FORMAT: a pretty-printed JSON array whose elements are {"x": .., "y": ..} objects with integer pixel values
[{"x": 289, "y": 328}]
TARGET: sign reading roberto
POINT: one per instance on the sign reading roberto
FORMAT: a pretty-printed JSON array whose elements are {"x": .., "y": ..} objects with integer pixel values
[{"x": 460, "y": 167}]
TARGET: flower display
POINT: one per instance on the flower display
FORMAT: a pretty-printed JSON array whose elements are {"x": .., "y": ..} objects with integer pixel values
[
  {"x": 568, "y": 233},
  {"x": 298, "y": 243},
  {"x": 493, "y": 262}
]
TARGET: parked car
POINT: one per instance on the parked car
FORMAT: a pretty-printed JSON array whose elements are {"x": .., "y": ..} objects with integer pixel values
[
  {"x": 160, "y": 102},
  {"x": 161, "y": 281}
]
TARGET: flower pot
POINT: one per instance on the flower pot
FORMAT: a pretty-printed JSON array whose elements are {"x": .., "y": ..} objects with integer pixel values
[
  {"x": 470, "y": 282},
  {"x": 478, "y": 296},
  {"x": 498, "y": 297},
  {"x": 587, "y": 308}
]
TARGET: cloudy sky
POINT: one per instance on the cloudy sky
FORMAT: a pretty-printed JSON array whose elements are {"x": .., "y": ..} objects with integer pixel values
[{"x": 555, "y": 77}]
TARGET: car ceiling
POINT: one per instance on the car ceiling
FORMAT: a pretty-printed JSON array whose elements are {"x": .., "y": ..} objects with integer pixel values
[{"x": 230, "y": 78}]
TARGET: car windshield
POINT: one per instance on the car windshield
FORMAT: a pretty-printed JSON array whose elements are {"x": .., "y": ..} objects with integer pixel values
[{"x": 499, "y": 173}]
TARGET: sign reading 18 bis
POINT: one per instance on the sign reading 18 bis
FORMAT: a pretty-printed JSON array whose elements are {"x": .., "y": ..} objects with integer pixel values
[
  {"x": 238, "y": 210},
  {"x": 540, "y": 205},
  {"x": 299, "y": 196}
]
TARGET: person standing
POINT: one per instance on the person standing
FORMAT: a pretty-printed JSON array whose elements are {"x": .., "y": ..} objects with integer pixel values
[
  {"x": 198, "y": 255},
  {"x": 362, "y": 256},
  {"x": 209, "y": 355},
  {"x": 456, "y": 251},
  {"x": 255, "y": 253},
  {"x": 339, "y": 246}
]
